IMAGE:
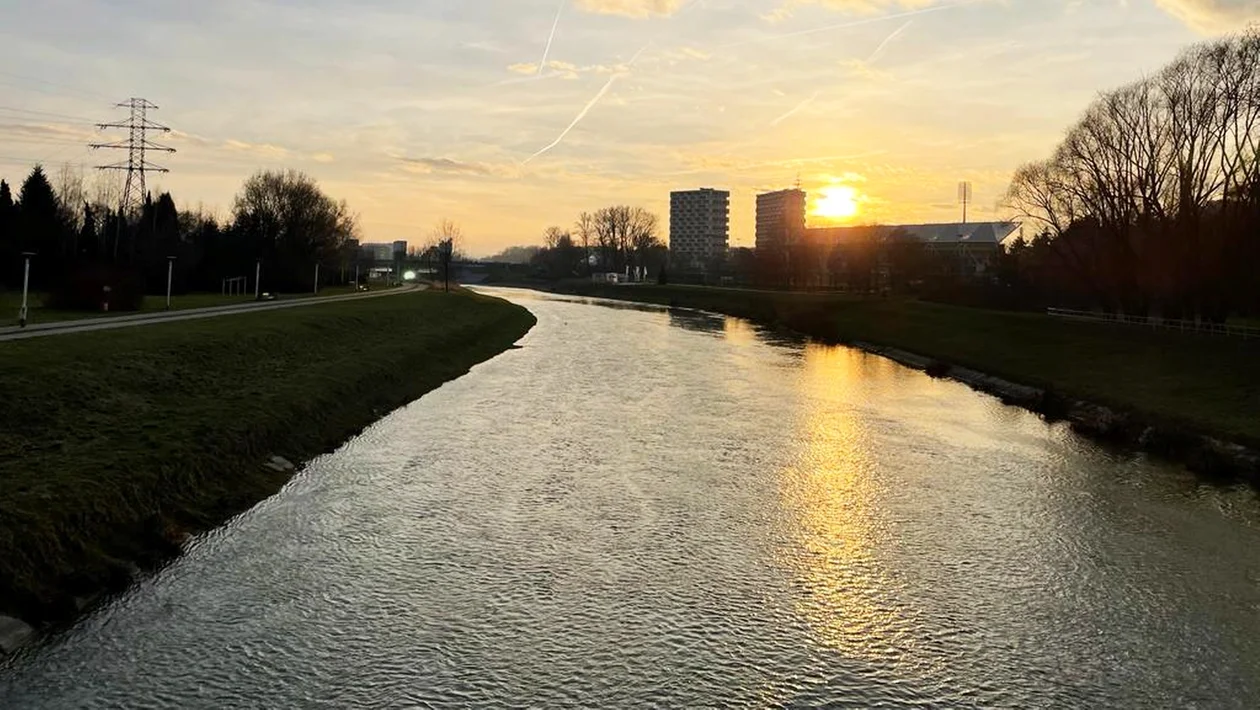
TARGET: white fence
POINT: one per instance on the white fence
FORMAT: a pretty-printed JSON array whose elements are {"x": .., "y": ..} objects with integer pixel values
[{"x": 1184, "y": 326}]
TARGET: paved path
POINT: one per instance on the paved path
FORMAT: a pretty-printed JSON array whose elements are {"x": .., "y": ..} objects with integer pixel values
[{"x": 89, "y": 324}]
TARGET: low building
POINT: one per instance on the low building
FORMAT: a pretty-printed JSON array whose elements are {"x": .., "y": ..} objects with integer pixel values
[{"x": 969, "y": 248}]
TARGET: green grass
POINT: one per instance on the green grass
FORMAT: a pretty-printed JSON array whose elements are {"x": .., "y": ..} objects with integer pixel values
[
  {"x": 1208, "y": 384},
  {"x": 115, "y": 441},
  {"x": 11, "y": 303}
]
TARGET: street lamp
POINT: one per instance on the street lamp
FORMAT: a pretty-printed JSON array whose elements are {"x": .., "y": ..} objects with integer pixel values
[
  {"x": 170, "y": 273},
  {"x": 258, "y": 280},
  {"x": 26, "y": 283}
]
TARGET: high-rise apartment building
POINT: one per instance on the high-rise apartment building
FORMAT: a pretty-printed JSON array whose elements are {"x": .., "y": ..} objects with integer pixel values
[
  {"x": 780, "y": 219},
  {"x": 699, "y": 226}
]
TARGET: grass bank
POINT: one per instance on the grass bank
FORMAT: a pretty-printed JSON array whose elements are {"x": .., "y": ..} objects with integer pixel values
[
  {"x": 117, "y": 444},
  {"x": 1204, "y": 384}
]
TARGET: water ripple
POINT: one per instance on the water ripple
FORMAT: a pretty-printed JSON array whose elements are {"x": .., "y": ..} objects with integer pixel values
[{"x": 650, "y": 508}]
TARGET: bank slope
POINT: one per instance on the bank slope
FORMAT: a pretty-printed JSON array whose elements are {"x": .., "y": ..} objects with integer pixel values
[{"x": 115, "y": 445}]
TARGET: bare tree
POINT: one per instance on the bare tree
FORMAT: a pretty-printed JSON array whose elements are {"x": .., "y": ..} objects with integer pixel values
[
  {"x": 622, "y": 233},
  {"x": 553, "y": 236},
  {"x": 1149, "y": 195},
  {"x": 71, "y": 195},
  {"x": 445, "y": 244},
  {"x": 585, "y": 227}
]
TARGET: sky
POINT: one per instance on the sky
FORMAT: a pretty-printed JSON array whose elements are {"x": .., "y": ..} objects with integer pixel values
[{"x": 508, "y": 117}]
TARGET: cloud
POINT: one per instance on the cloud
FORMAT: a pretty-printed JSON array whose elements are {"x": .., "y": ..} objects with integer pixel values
[
  {"x": 429, "y": 166},
  {"x": 194, "y": 139},
  {"x": 52, "y": 131},
  {"x": 1213, "y": 16},
  {"x": 632, "y": 8},
  {"x": 564, "y": 70},
  {"x": 858, "y": 69},
  {"x": 264, "y": 149},
  {"x": 858, "y": 7}
]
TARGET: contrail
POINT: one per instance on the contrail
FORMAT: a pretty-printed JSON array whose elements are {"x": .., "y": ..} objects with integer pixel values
[
  {"x": 551, "y": 38},
  {"x": 874, "y": 55},
  {"x": 855, "y": 23},
  {"x": 581, "y": 115},
  {"x": 794, "y": 110},
  {"x": 880, "y": 49},
  {"x": 589, "y": 105}
]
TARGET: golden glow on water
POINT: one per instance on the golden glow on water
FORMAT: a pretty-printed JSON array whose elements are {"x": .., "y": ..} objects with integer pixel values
[
  {"x": 832, "y": 501},
  {"x": 739, "y": 332}
]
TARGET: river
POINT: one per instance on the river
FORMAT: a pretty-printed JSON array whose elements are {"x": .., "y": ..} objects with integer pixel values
[{"x": 641, "y": 507}]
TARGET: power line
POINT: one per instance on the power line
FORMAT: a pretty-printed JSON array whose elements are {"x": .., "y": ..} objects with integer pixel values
[
  {"x": 51, "y": 114},
  {"x": 25, "y": 139},
  {"x": 64, "y": 87},
  {"x": 137, "y": 145}
]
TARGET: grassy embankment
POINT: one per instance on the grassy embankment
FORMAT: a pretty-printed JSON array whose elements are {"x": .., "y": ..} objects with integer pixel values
[
  {"x": 116, "y": 444},
  {"x": 1204, "y": 384},
  {"x": 11, "y": 303}
]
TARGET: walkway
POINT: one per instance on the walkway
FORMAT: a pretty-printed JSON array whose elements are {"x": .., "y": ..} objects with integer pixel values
[{"x": 89, "y": 324}]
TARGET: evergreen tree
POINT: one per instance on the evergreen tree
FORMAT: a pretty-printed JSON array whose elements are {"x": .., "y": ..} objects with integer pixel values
[
  {"x": 8, "y": 236},
  {"x": 39, "y": 225},
  {"x": 89, "y": 245}
]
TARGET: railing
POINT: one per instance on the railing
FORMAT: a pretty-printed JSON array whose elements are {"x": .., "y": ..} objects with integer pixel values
[{"x": 1184, "y": 326}]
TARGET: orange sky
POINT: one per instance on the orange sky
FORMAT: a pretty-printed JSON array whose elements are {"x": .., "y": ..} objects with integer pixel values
[{"x": 419, "y": 110}]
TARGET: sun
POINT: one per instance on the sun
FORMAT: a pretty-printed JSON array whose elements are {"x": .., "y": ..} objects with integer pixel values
[{"x": 837, "y": 202}]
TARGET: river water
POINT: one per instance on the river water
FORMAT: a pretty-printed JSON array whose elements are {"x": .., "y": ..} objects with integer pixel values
[{"x": 649, "y": 508}]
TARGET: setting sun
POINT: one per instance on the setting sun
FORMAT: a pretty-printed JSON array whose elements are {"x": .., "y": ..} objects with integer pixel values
[{"x": 837, "y": 202}]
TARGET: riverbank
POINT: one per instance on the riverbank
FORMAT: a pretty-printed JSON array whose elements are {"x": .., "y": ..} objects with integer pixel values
[
  {"x": 118, "y": 445},
  {"x": 1188, "y": 397}
]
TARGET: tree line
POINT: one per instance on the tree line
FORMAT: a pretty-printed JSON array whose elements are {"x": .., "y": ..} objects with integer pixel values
[
  {"x": 280, "y": 220},
  {"x": 617, "y": 239},
  {"x": 1151, "y": 203}
]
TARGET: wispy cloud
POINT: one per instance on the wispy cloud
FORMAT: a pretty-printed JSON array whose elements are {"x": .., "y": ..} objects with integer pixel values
[
  {"x": 632, "y": 8},
  {"x": 265, "y": 150},
  {"x": 446, "y": 165},
  {"x": 849, "y": 24},
  {"x": 706, "y": 164},
  {"x": 1213, "y": 16}
]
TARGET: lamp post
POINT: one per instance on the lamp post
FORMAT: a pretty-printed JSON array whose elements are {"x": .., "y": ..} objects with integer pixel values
[
  {"x": 26, "y": 284},
  {"x": 170, "y": 274},
  {"x": 317, "y": 278},
  {"x": 258, "y": 280}
]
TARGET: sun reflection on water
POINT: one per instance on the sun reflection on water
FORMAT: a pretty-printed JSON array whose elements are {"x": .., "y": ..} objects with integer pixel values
[{"x": 832, "y": 502}]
